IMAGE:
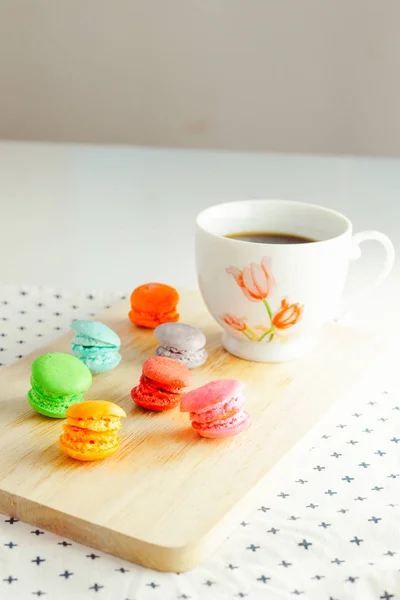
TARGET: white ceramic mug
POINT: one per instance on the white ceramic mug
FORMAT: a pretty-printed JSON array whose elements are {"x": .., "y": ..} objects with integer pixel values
[{"x": 271, "y": 299}]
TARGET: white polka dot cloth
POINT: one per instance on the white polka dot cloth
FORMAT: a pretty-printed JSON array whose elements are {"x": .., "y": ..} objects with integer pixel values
[{"x": 327, "y": 527}]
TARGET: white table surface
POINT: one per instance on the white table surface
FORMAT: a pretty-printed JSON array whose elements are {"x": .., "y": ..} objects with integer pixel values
[{"x": 109, "y": 218}]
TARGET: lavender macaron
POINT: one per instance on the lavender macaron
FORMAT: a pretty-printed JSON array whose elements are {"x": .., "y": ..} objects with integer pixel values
[{"x": 181, "y": 342}]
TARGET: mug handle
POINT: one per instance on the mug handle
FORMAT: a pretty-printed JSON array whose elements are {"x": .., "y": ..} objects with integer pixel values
[{"x": 365, "y": 236}]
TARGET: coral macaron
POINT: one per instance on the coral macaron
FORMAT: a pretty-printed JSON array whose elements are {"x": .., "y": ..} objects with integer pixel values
[
  {"x": 162, "y": 384},
  {"x": 91, "y": 432},
  {"x": 153, "y": 304},
  {"x": 216, "y": 409},
  {"x": 167, "y": 373}
]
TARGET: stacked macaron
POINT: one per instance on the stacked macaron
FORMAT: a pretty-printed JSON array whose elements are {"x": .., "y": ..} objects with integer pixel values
[
  {"x": 153, "y": 304},
  {"x": 162, "y": 384},
  {"x": 216, "y": 409},
  {"x": 58, "y": 381},
  {"x": 181, "y": 342},
  {"x": 91, "y": 432},
  {"x": 96, "y": 345}
]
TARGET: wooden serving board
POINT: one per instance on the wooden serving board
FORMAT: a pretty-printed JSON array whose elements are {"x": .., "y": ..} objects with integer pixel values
[{"x": 169, "y": 497}]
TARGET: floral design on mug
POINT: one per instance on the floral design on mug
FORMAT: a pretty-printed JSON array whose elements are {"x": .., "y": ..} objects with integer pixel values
[
  {"x": 287, "y": 315},
  {"x": 239, "y": 323},
  {"x": 257, "y": 283}
]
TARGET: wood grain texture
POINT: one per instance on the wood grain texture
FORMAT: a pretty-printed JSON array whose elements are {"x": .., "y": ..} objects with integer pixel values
[{"x": 169, "y": 497}]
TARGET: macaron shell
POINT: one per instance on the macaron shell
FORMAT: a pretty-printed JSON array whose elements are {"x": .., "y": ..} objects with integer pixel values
[
  {"x": 169, "y": 374},
  {"x": 95, "y": 332},
  {"x": 61, "y": 374},
  {"x": 154, "y": 297},
  {"x": 92, "y": 409},
  {"x": 211, "y": 394},
  {"x": 180, "y": 337},
  {"x": 156, "y": 400},
  {"x": 224, "y": 428},
  {"x": 219, "y": 411}
]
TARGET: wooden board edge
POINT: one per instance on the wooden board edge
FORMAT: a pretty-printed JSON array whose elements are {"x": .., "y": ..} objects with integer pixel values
[{"x": 165, "y": 559}]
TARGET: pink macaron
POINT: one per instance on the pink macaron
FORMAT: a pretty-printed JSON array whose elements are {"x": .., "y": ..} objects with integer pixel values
[{"x": 216, "y": 409}]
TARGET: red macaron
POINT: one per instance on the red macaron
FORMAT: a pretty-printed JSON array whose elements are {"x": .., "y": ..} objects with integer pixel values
[{"x": 162, "y": 385}]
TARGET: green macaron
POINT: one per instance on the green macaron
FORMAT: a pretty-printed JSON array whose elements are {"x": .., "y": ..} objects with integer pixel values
[{"x": 58, "y": 380}]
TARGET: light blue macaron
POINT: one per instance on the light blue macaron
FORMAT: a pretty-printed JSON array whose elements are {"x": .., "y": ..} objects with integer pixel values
[{"x": 96, "y": 345}]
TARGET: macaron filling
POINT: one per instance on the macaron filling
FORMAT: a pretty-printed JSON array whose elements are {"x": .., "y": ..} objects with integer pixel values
[
  {"x": 103, "y": 424},
  {"x": 97, "y": 358},
  {"x": 151, "y": 395},
  {"x": 218, "y": 411},
  {"x": 81, "y": 440},
  {"x": 226, "y": 421},
  {"x": 149, "y": 386},
  {"x": 224, "y": 425},
  {"x": 93, "y": 350},
  {"x": 190, "y": 359},
  {"x": 51, "y": 402},
  {"x": 152, "y": 319},
  {"x": 153, "y": 316},
  {"x": 153, "y": 400},
  {"x": 88, "y": 341}
]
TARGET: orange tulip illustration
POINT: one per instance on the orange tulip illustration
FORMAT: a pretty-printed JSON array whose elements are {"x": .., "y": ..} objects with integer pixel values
[
  {"x": 239, "y": 324},
  {"x": 287, "y": 315},
  {"x": 255, "y": 281},
  {"x": 234, "y": 322}
]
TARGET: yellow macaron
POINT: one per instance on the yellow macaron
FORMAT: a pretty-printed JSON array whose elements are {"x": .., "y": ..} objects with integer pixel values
[{"x": 91, "y": 431}]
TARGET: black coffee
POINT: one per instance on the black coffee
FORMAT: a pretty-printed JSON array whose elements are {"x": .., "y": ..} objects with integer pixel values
[{"x": 269, "y": 237}]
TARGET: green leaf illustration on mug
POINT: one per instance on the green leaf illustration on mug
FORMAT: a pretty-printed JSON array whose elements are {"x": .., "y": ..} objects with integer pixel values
[{"x": 257, "y": 283}]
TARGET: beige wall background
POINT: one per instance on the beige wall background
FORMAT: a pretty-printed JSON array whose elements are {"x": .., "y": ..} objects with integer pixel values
[{"x": 276, "y": 75}]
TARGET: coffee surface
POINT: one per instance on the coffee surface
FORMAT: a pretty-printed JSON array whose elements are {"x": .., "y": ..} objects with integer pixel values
[{"x": 269, "y": 237}]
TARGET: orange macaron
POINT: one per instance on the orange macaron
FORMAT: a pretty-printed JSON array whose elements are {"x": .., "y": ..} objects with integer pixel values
[
  {"x": 91, "y": 431},
  {"x": 153, "y": 304}
]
